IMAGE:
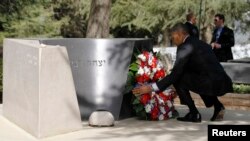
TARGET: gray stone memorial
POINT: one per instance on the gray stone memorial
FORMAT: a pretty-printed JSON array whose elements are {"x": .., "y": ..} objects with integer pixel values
[
  {"x": 47, "y": 81},
  {"x": 100, "y": 68}
]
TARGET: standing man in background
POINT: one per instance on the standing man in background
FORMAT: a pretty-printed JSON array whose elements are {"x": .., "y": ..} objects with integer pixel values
[
  {"x": 222, "y": 40},
  {"x": 191, "y": 25}
]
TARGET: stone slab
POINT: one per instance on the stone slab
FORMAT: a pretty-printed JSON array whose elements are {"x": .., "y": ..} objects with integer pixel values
[
  {"x": 38, "y": 88},
  {"x": 243, "y": 60},
  {"x": 238, "y": 72}
]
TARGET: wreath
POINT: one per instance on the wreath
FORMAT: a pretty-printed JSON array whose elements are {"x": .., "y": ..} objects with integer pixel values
[{"x": 147, "y": 68}]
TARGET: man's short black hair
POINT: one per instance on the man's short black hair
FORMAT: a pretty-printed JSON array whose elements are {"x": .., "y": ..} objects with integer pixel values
[
  {"x": 220, "y": 16},
  {"x": 179, "y": 27}
]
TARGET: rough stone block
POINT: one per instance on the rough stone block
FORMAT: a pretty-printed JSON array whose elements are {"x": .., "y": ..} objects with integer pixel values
[{"x": 38, "y": 88}]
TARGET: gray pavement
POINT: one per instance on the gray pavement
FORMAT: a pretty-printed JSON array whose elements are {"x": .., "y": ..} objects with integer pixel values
[{"x": 132, "y": 129}]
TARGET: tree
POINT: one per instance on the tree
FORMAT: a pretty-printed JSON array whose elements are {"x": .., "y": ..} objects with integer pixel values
[
  {"x": 158, "y": 16},
  {"x": 28, "y": 18},
  {"x": 98, "y": 22},
  {"x": 73, "y": 14}
]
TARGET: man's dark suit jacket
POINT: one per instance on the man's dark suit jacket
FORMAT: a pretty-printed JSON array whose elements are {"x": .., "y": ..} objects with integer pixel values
[
  {"x": 197, "y": 69},
  {"x": 226, "y": 40},
  {"x": 192, "y": 29}
]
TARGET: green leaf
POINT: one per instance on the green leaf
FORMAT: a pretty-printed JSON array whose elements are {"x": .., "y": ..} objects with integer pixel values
[
  {"x": 139, "y": 108},
  {"x": 136, "y": 101},
  {"x": 134, "y": 67}
]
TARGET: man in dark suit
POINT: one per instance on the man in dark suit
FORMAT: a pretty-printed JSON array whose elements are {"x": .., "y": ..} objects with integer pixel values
[
  {"x": 222, "y": 40},
  {"x": 191, "y": 25},
  {"x": 196, "y": 69}
]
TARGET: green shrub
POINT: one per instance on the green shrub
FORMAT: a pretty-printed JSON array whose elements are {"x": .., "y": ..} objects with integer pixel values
[{"x": 241, "y": 88}]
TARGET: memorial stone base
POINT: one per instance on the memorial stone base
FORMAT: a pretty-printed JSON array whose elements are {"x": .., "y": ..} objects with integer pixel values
[{"x": 38, "y": 92}]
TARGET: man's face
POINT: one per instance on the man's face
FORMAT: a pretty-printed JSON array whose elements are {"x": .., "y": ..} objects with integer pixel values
[
  {"x": 193, "y": 20},
  {"x": 177, "y": 38},
  {"x": 218, "y": 22}
]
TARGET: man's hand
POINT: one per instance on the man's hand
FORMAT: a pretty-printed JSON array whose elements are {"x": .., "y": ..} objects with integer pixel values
[
  {"x": 212, "y": 45},
  {"x": 142, "y": 89},
  {"x": 215, "y": 45}
]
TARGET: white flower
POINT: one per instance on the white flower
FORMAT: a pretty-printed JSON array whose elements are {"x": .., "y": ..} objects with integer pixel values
[
  {"x": 162, "y": 109},
  {"x": 150, "y": 62},
  {"x": 161, "y": 117},
  {"x": 170, "y": 114},
  {"x": 169, "y": 103},
  {"x": 142, "y": 57},
  {"x": 150, "y": 59},
  {"x": 151, "y": 54},
  {"x": 159, "y": 64},
  {"x": 140, "y": 71},
  {"x": 152, "y": 101},
  {"x": 161, "y": 101},
  {"x": 147, "y": 70},
  {"x": 167, "y": 92},
  {"x": 148, "y": 108},
  {"x": 151, "y": 75},
  {"x": 154, "y": 70},
  {"x": 158, "y": 68}
]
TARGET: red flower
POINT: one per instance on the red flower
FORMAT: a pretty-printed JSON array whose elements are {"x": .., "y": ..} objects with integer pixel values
[
  {"x": 154, "y": 63},
  {"x": 145, "y": 98},
  {"x": 146, "y": 77},
  {"x": 167, "y": 109},
  {"x": 159, "y": 74},
  {"x": 140, "y": 79},
  {"x": 146, "y": 54},
  {"x": 166, "y": 116},
  {"x": 142, "y": 64},
  {"x": 155, "y": 113},
  {"x": 162, "y": 73},
  {"x": 163, "y": 96}
]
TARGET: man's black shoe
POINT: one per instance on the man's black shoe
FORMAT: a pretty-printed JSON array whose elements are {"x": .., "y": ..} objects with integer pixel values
[
  {"x": 189, "y": 117},
  {"x": 218, "y": 114}
]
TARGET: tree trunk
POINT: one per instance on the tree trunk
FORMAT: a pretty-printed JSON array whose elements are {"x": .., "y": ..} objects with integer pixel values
[
  {"x": 166, "y": 38},
  {"x": 206, "y": 34},
  {"x": 98, "y": 23}
]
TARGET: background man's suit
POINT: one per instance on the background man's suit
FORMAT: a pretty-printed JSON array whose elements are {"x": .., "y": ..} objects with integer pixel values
[
  {"x": 192, "y": 30},
  {"x": 226, "y": 39}
]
